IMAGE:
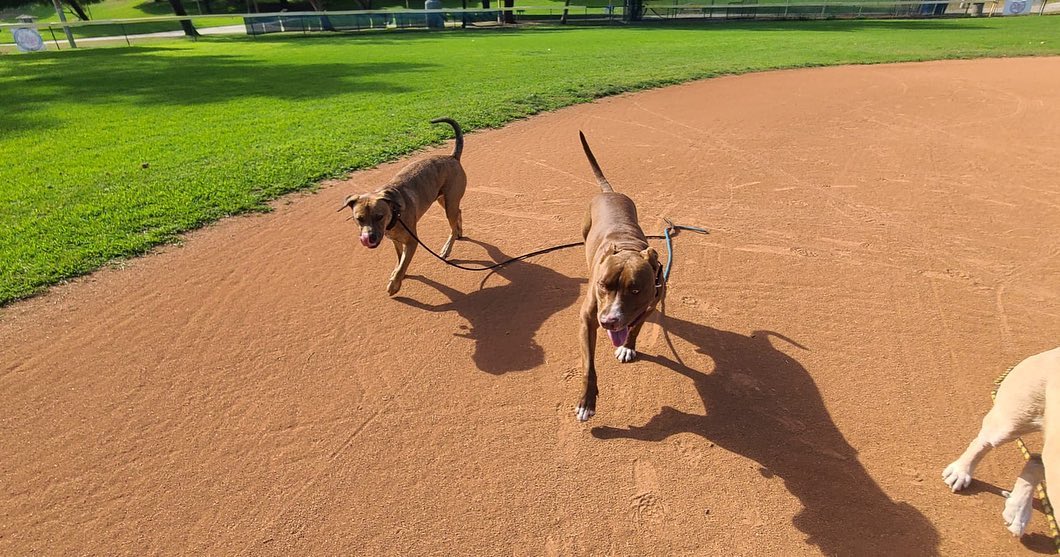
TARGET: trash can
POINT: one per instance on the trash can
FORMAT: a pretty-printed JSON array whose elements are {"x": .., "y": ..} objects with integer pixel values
[
  {"x": 27, "y": 39},
  {"x": 434, "y": 20}
]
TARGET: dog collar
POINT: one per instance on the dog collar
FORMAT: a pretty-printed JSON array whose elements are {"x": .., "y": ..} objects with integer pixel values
[
  {"x": 659, "y": 283},
  {"x": 395, "y": 213}
]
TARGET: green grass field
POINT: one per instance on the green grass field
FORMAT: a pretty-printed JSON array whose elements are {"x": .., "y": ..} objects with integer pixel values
[{"x": 110, "y": 151}]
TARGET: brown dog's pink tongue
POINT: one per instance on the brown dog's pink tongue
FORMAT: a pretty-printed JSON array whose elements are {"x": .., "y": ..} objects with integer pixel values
[{"x": 618, "y": 338}]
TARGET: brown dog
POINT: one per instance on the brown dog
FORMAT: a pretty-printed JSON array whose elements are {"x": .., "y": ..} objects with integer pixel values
[
  {"x": 625, "y": 280},
  {"x": 407, "y": 197}
]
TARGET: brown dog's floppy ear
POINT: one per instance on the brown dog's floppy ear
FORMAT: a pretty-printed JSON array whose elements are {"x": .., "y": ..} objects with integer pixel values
[
  {"x": 653, "y": 258},
  {"x": 350, "y": 200}
]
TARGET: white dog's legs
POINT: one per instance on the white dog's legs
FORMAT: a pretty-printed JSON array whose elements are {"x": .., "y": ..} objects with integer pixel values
[
  {"x": 1020, "y": 502},
  {"x": 998, "y": 429}
]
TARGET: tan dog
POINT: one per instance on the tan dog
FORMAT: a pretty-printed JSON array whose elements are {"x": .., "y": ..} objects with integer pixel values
[
  {"x": 407, "y": 197},
  {"x": 625, "y": 280},
  {"x": 1027, "y": 400}
]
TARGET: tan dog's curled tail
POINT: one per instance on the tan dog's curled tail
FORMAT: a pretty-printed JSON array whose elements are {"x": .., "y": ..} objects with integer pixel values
[
  {"x": 600, "y": 179},
  {"x": 459, "y": 135}
]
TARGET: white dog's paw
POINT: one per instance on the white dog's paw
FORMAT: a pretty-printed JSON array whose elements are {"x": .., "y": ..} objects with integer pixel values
[
  {"x": 957, "y": 476},
  {"x": 625, "y": 355},
  {"x": 1017, "y": 513},
  {"x": 583, "y": 414}
]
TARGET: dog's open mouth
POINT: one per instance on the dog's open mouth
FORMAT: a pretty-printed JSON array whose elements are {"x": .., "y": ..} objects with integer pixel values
[{"x": 618, "y": 338}]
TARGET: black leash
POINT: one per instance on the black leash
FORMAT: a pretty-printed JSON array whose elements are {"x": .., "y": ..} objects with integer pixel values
[{"x": 668, "y": 233}]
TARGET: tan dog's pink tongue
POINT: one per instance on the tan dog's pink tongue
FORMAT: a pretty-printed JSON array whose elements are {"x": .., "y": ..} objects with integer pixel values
[{"x": 618, "y": 338}]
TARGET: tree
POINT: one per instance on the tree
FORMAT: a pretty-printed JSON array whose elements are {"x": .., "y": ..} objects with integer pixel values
[
  {"x": 76, "y": 6},
  {"x": 325, "y": 22},
  {"x": 186, "y": 24},
  {"x": 634, "y": 10}
]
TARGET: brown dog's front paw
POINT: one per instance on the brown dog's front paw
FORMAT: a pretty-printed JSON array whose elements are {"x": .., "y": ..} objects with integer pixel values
[
  {"x": 446, "y": 249},
  {"x": 625, "y": 354},
  {"x": 585, "y": 410},
  {"x": 393, "y": 287}
]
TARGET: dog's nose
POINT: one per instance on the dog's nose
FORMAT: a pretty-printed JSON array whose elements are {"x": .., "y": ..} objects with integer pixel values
[
  {"x": 609, "y": 322},
  {"x": 369, "y": 240}
]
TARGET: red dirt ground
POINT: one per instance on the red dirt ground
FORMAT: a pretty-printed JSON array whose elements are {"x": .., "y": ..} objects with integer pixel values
[{"x": 884, "y": 243}]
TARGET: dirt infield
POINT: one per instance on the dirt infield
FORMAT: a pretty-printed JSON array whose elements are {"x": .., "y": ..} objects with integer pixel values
[{"x": 884, "y": 243}]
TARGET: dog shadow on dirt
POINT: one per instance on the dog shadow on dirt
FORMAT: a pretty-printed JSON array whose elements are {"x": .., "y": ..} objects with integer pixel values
[
  {"x": 504, "y": 319},
  {"x": 763, "y": 404}
]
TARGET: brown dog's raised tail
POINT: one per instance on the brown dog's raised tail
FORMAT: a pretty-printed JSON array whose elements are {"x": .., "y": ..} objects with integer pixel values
[
  {"x": 600, "y": 179},
  {"x": 459, "y": 135}
]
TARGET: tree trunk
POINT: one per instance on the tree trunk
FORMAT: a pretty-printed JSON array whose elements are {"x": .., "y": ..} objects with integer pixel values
[
  {"x": 318, "y": 6},
  {"x": 285, "y": 6},
  {"x": 78, "y": 9},
  {"x": 566, "y": 8},
  {"x": 485, "y": 4},
  {"x": 633, "y": 10},
  {"x": 186, "y": 24},
  {"x": 509, "y": 15}
]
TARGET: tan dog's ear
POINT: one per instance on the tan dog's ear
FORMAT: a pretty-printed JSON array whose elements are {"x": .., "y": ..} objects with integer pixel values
[{"x": 350, "y": 201}]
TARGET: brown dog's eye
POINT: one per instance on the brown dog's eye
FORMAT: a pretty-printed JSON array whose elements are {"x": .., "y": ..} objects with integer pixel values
[{"x": 635, "y": 292}]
